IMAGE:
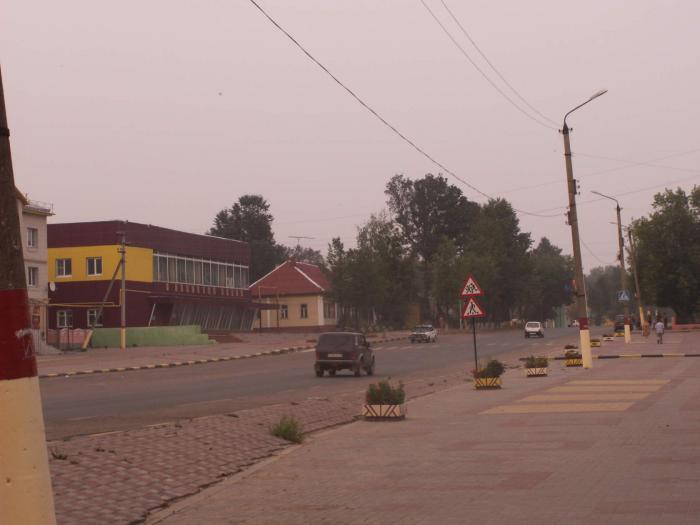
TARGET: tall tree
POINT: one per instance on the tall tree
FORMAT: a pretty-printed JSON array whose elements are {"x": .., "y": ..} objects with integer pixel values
[
  {"x": 547, "y": 287},
  {"x": 250, "y": 220},
  {"x": 307, "y": 255},
  {"x": 668, "y": 252},
  {"x": 602, "y": 285}
]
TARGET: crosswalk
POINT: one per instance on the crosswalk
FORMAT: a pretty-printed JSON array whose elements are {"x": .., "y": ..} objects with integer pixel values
[{"x": 594, "y": 395}]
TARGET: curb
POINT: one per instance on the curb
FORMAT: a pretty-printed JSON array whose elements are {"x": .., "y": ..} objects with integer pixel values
[
  {"x": 623, "y": 356},
  {"x": 278, "y": 351}
]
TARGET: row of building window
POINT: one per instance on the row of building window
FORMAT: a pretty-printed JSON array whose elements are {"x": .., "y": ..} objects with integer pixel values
[
  {"x": 93, "y": 266},
  {"x": 64, "y": 318},
  {"x": 328, "y": 311},
  {"x": 187, "y": 270}
]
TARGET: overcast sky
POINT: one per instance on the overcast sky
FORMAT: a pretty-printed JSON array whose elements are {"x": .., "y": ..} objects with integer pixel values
[{"x": 165, "y": 112}]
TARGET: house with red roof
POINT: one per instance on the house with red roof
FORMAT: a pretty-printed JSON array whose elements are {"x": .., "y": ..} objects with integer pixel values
[{"x": 300, "y": 293}]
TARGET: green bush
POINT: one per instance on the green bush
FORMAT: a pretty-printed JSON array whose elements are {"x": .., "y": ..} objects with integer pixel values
[
  {"x": 289, "y": 428},
  {"x": 494, "y": 368},
  {"x": 536, "y": 362},
  {"x": 384, "y": 393},
  {"x": 572, "y": 354}
]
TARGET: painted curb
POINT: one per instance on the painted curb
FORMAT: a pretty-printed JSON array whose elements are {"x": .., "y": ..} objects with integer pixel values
[
  {"x": 277, "y": 351},
  {"x": 623, "y": 356}
]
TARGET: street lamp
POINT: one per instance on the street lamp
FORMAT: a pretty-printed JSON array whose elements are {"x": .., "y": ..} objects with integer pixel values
[
  {"x": 581, "y": 311},
  {"x": 621, "y": 257}
]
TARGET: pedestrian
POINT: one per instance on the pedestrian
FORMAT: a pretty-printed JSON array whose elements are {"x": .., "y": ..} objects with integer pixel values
[
  {"x": 659, "y": 328},
  {"x": 665, "y": 322}
]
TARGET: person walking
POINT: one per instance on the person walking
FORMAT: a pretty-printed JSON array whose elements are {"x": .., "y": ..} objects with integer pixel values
[{"x": 659, "y": 328}]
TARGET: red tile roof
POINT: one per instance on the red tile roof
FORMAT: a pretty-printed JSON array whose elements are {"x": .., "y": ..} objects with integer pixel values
[{"x": 291, "y": 278}]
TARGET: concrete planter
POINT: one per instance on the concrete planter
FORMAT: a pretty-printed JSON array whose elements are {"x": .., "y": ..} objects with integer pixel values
[
  {"x": 487, "y": 383},
  {"x": 384, "y": 412},
  {"x": 536, "y": 372},
  {"x": 595, "y": 343},
  {"x": 574, "y": 362}
]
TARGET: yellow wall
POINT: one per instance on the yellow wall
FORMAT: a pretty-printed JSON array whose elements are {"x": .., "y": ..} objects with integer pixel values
[
  {"x": 314, "y": 304},
  {"x": 139, "y": 263}
]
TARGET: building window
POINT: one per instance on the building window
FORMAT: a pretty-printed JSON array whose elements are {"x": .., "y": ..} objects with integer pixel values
[
  {"x": 304, "y": 311},
  {"x": 284, "y": 311},
  {"x": 94, "y": 265},
  {"x": 189, "y": 270},
  {"x": 329, "y": 310},
  {"x": 32, "y": 276},
  {"x": 32, "y": 238},
  {"x": 64, "y": 318},
  {"x": 64, "y": 268},
  {"x": 92, "y": 319}
]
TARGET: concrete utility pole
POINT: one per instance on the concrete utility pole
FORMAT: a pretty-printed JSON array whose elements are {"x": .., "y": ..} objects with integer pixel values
[
  {"x": 25, "y": 485},
  {"x": 621, "y": 257},
  {"x": 122, "y": 291},
  {"x": 581, "y": 308},
  {"x": 633, "y": 263}
]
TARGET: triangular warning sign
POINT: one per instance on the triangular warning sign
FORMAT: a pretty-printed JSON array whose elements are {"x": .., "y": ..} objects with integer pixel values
[
  {"x": 472, "y": 309},
  {"x": 470, "y": 288}
]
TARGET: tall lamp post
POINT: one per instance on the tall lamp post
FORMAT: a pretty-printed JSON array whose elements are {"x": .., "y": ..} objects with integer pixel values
[
  {"x": 621, "y": 257},
  {"x": 581, "y": 309}
]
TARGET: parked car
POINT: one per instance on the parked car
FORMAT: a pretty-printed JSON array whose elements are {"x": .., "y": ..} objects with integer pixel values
[
  {"x": 343, "y": 351},
  {"x": 423, "y": 333},
  {"x": 534, "y": 328},
  {"x": 619, "y": 325}
]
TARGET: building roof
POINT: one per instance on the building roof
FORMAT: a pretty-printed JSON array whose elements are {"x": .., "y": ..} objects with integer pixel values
[
  {"x": 164, "y": 240},
  {"x": 291, "y": 278}
]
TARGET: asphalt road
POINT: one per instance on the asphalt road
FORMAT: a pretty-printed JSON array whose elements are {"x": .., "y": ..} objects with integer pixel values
[{"x": 89, "y": 404}]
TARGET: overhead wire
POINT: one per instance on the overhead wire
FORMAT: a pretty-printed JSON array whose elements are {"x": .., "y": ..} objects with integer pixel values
[
  {"x": 476, "y": 66},
  {"x": 500, "y": 75},
  {"x": 383, "y": 120}
]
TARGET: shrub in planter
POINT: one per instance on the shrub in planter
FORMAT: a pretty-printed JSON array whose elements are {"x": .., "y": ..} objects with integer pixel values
[
  {"x": 570, "y": 347},
  {"x": 384, "y": 401},
  {"x": 573, "y": 358},
  {"x": 536, "y": 366},
  {"x": 595, "y": 343},
  {"x": 489, "y": 376}
]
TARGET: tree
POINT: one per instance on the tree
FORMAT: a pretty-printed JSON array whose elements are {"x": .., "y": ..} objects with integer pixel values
[
  {"x": 250, "y": 220},
  {"x": 547, "y": 289},
  {"x": 447, "y": 275},
  {"x": 668, "y": 252},
  {"x": 425, "y": 211},
  {"x": 602, "y": 285},
  {"x": 307, "y": 255}
]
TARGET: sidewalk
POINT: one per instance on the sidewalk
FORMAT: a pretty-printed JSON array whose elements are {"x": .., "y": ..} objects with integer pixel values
[
  {"x": 99, "y": 360},
  {"x": 616, "y": 444}
]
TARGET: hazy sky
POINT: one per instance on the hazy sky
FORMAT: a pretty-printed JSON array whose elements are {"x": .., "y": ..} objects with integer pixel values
[{"x": 165, "y": 112}]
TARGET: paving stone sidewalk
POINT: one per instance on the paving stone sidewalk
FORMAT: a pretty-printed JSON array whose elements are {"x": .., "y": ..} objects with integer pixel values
[{"x": 617, "y": 444}]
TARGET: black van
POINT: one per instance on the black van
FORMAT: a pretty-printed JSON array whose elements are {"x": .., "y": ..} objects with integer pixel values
[{"x": 343, "y": 351}]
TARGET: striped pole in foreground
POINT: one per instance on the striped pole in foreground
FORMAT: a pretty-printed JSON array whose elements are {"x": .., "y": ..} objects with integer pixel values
[{"x": 25, "y": 484}]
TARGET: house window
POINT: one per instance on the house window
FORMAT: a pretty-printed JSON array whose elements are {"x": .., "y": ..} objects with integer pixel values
[
  {"x": 284, "y": 311},
  {"x": 64, "y": 318},
  {"x": 64, "y": 268},
  {"x": 94, "y": 265},
  {"x": 304, "y": 311},
  {"x": 92, "y": 319},
  {"x": 32, "y": 276},
  {"x": 329, "y": 310},
  {"x": 32, "y": 238}
]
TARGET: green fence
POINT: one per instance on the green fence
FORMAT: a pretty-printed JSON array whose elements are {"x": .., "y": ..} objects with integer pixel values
[{"x": 151, "y": 336}]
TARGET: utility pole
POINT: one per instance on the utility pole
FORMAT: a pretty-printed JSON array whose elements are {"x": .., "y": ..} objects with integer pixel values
[
  {"x": 25, "y": 488},
  {"x": 633, "y": 263},
  {"x": 581, "y": 308},
  {"x": 621, "y": 258},
  {"x": 122, "y": 291}
]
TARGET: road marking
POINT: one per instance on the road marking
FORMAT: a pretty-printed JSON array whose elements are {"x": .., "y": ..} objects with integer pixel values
[
  {"x": 559, "y": 408},
  {"x": 619, "y": 396},
  {"x": 604, "y": 388},
  {"x": 619, "y": 382},
  {"x": 492, "y": 344}
]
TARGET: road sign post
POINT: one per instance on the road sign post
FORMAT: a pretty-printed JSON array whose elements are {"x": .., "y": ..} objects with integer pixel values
[{"x": 472, "y": 309}]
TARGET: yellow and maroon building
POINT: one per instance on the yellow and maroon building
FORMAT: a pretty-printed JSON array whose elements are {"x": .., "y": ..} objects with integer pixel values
[{"x": 172, "y": 278}]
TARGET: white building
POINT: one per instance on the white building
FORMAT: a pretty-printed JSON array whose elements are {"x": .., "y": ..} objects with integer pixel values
[{"x": 32, "y": 220}]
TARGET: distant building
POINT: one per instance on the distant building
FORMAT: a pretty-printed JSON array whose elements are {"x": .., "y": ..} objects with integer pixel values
[
  {"x": 172, "y": 277},
  {"x": 301, "y": 293},
  {"x": 32, "y": 220}
]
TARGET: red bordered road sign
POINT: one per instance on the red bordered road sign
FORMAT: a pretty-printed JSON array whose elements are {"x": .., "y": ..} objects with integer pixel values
[
  {"x": 470, "y": 288},
  {"x": 472, "y": 309}
]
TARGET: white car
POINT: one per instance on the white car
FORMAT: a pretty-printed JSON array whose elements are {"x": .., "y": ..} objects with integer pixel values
[
  {"x": 534, "y": 328},
  {"x": 424, "y": 333}
]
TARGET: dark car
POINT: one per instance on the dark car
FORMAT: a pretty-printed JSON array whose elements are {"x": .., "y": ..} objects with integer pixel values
[
  {"x": 619, "y": 323},
  {"x": 343, "y": 351}
]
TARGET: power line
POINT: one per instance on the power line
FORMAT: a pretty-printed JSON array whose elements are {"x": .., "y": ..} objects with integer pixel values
[
  {"x": 466, "y": 33},
  {"x": 486, "y": 77},
  {"x": 594, "y": 255},
  {"x": 382, "y": 119}
]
